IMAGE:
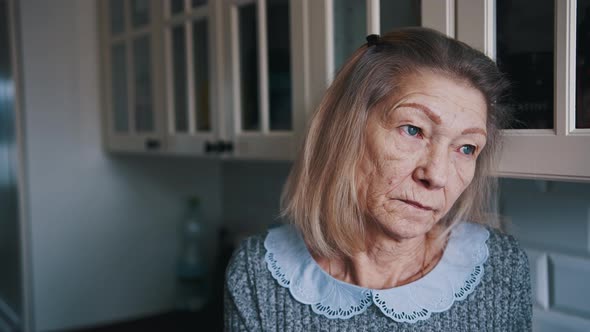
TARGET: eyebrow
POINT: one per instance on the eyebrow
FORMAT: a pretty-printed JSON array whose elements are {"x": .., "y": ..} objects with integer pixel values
[
  {"x": 430, "y": 114},
  {"x": 436, "y": 119},
  {"x": 474, "y": 131}
]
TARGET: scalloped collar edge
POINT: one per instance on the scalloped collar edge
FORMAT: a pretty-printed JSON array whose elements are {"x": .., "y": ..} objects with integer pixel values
[{"x": 455, "y": 276}]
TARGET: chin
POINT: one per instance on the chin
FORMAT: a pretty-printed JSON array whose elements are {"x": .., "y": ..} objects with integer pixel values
[{"x": 406, "y": 228}]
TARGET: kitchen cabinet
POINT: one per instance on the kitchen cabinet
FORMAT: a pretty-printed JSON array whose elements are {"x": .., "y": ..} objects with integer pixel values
[
  {"x": 240, "y": 78},
  {"x": 198, "y": 78},
  {"x": 160, "y": 80},
  {"x": 545, "y": 54},
  {"x": 130, "y": 79},
  {"x": 232, "y": 78}
]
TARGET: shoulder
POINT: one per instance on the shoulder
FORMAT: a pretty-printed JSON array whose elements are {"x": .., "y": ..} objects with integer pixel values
[
  {"x": 263, "y": 261},
  {"x": 247, "y": 259},
  {"x": 509, "y": 276},
  {"x": 505, "y": 249},
  {"x": 246, "y": 285},
  {"x": 507, "y": 263}
]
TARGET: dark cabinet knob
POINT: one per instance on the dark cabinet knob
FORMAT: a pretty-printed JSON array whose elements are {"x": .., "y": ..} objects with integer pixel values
[
  {"x": 228, "y": 146},
  {"x": 218, "y": 146},
  {"x": 152, "y": 144},
  {"x": 210, "y": 147}
]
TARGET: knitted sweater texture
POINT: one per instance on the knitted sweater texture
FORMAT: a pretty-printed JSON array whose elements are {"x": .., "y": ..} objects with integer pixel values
[{"x": 254, "y": 301}]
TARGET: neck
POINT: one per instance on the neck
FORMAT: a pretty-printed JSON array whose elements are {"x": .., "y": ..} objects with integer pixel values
[{"x": 386, "y": 262}]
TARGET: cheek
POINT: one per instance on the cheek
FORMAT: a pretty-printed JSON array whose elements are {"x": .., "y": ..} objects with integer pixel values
[
  {"x": 396, "y": 164},
  {"x": 390, "y": 160},
  {"x": 464, "y": 172},
  {"x": 389, "y": 176}
]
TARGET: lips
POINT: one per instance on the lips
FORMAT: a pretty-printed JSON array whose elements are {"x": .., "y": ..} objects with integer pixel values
[{"x": 417, "y": 205}]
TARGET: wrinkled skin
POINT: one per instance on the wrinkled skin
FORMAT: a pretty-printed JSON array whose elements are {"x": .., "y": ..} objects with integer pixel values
[
  {"x": 419, "y": 157},
  {"x": 420, "y": 154}
]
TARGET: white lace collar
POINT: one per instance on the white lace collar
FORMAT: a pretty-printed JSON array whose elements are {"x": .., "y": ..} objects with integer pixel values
[{"x": 454, "y": 277}]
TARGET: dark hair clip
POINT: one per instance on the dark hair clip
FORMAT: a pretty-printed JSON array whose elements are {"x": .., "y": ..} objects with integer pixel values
[{"x": 373, "y": 40}]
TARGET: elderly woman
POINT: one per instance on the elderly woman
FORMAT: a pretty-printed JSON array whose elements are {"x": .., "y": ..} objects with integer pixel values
[{"x": 389, "y": 204}]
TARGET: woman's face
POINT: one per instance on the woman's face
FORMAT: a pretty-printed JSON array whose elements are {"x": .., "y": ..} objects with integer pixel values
[{"x": 421, "y": 155}]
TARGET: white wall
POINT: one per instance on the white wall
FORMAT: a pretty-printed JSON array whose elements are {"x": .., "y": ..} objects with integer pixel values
[{"x": 103, "y": 228}]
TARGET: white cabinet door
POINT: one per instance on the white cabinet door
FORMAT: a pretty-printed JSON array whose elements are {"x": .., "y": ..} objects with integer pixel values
[
  {"x": 198, "y": 77},
  {"x": 162, "y": 74},
  {"x": 266, "y": 60},
  {"x": 339, "y": 27},
  {"x": 133, "y": 112},
  {"x": 192, "y": 68},
  {"x": 545, "y": 54}
]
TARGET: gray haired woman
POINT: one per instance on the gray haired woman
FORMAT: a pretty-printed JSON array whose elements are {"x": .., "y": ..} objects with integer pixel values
[{"x": 389, "y": 204}]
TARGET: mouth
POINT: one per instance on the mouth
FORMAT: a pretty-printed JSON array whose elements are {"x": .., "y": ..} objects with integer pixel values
[{"x": 417, "y": 205}]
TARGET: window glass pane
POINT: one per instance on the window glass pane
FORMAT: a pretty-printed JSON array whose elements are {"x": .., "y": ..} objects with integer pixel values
[
  {"x": 399, "y": 13},
  {"x": 144, "y": 116},
  {"x": 201, "y": 72},
  {"x": 119, "y": 86},
  {"x": 279, "y": 64},
  {"x": 249, "y": 67},
  {"x": 525, "y": 42},
  {"x": 198, "y": 3},
  {"x": 179, "y": 78},
  {"x": 350, "y": 28},
  {"x": 176, "y": 6},
  {"x": 583, "y": 66},
  {"x": 117, "y": 9},
  {"x": 141, "y": 12}
]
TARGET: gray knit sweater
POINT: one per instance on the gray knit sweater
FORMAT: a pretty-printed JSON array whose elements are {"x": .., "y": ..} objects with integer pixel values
[{"x": 254, "y": 301}]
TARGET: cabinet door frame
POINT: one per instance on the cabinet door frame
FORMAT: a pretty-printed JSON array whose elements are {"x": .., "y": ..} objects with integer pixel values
[
  {"x": 266, "y": 143},
  {"x": 193, "y": 141},
  {"x": 435, "y": 14},
  {"x": 562, "y": 153},
  {"x": 131, "y": 141}
]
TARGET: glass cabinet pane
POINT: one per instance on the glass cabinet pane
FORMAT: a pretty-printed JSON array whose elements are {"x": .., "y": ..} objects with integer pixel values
[
  {"x": 525, "y": 42},
  {"x": 583, "y": 65},
  {"x": 201, "y": 75},
  {"x": 176, "y": 6},
  {"x": 179, "y": 78},
  {"x": 198, "y": 3},
  {"x": 144, "y": 116},
  {"x": 117, "y": 11},
  {"x": 119, "y": 86},
  {"x": 140, "y": 11},
  {"x": 279, "y": 64},
  {"x": 400, "y": 13},
  {"x": 249, "y": 67},
  {"x": 350, "y": 28}
]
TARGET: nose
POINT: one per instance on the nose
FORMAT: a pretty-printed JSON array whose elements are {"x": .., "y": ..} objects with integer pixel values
[{"x": 433, "y": 170}]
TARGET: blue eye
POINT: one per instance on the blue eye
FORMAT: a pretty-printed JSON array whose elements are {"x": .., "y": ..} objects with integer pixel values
[
  {"x": 467, "y": 149},
  {"x": 411, "y": 130}
]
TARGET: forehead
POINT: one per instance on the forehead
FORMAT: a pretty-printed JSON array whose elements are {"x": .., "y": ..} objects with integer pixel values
[{"x": 448, "y": 98}]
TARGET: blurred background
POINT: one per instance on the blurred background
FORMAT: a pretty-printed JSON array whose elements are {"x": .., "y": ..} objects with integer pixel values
[{"x": 141, "y": 140}]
